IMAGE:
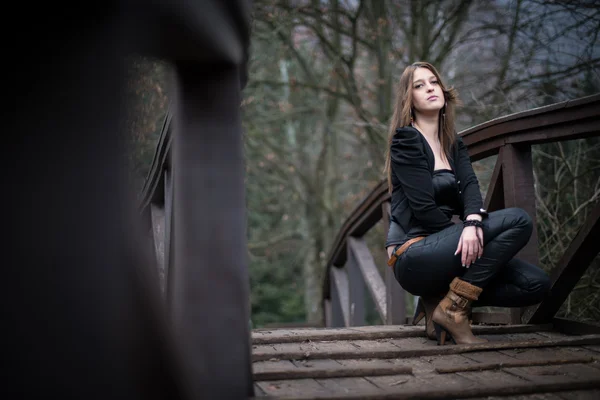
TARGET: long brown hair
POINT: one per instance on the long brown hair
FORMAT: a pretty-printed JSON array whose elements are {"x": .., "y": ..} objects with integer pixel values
[{"x": 403, "y": 109}]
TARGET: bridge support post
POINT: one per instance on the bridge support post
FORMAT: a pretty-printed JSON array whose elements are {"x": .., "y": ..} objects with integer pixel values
[
  {"x": 395, "y": 295},
  {"x": 356, "y": 286},
  {"x": 517, "y": 176}
]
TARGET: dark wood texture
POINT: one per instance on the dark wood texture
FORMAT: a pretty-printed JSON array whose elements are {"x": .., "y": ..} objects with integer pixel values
[
  {"x": 494, "y": 198},
  {"x": 517, "y": 178},
  {"x": 567, "y": 120}
]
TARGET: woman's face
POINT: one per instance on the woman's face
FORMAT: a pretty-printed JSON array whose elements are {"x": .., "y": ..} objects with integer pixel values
[{"x": 427, "y": 94}]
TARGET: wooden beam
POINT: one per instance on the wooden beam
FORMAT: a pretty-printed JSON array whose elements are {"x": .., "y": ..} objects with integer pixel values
[
  {"x": 329, "y": 373},
  {"x": 517, "y": 176},
  {"x": 494, "y": 198},
  {"x": 568, "y": 120},
  {"x": 340, "y": 298},
  {"x": 356, "y": 284},
  {"x": 370, "y": 274},
  {"x": 375, "y": 332},
  {"x": 572, "y": 327},
  {"x": 394, "y": 294},
  {"x": 572, "y": 265},
  {"x": 425, "y": 351},
  {"x": 363, "y": 218}
]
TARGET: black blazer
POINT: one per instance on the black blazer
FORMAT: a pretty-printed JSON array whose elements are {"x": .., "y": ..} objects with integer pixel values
[{"x": 414, "y": 211}]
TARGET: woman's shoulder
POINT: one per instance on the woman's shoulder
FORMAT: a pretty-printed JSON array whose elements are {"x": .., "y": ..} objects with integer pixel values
[
  {"x": 407, "y": 145},
  {"x": 407, "y": 136}
]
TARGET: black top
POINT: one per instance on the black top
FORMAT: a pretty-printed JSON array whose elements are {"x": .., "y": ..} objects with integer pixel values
[
  {"x": 446, "y": 192},
  {"x": 424, "y": 200}
]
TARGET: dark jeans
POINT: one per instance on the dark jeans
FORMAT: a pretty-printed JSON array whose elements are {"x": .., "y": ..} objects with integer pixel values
[{"x": 428, "y": 266}]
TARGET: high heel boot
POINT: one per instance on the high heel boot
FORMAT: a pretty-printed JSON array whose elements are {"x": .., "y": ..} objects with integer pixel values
[
  {"x": 451, "y": 316},
  {"x": 424, "y": 309}
]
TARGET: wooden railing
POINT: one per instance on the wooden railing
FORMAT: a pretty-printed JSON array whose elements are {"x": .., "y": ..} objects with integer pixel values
[{"x": 351, "y": 269}]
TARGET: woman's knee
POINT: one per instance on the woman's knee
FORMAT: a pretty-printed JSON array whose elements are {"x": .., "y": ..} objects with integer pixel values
[{"x": 521, "y": 219}]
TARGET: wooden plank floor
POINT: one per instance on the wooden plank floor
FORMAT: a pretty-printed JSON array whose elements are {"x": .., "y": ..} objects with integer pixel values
[{"x": 399, "y": 362}]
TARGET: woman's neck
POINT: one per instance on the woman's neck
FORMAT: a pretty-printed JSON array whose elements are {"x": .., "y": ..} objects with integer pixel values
[{"x": 428, "y": 125}]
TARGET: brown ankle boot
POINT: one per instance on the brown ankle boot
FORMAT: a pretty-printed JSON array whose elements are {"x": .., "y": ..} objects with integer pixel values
[
  {"x": 424, "y": 309},
  {"x": 452, "y": 314}
]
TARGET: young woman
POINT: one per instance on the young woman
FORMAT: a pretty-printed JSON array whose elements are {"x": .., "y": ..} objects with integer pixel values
[{"x": 431, "y": 179}]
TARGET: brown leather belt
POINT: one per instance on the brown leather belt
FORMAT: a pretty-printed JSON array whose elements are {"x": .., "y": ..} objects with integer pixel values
[{"x": 402, "y": 249}]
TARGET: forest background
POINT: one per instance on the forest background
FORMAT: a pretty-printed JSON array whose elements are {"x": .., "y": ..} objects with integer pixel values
[{"x": 322, "y": 76}]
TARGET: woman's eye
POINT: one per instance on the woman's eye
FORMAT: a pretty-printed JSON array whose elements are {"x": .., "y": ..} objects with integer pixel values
[
  {"x": 434, "y": 82},
  {"x": 418, "y": 85}
]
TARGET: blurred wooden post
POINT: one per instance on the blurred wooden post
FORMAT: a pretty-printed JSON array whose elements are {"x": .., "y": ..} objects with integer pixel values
[
  {"x": 209, "y": 282},
  {"x": 395, "y": 295}
]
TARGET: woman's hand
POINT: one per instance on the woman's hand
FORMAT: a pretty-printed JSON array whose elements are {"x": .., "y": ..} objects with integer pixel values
[{"x": 470, "y": 245}]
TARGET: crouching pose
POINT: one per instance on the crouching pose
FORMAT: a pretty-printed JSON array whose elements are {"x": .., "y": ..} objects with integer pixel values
[{"x": 431, "y": 179}]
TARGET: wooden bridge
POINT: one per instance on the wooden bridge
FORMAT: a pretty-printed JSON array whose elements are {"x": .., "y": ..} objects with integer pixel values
[
  {"x": 530, "y": 351},
  {"x": 92, "y": 311}
]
